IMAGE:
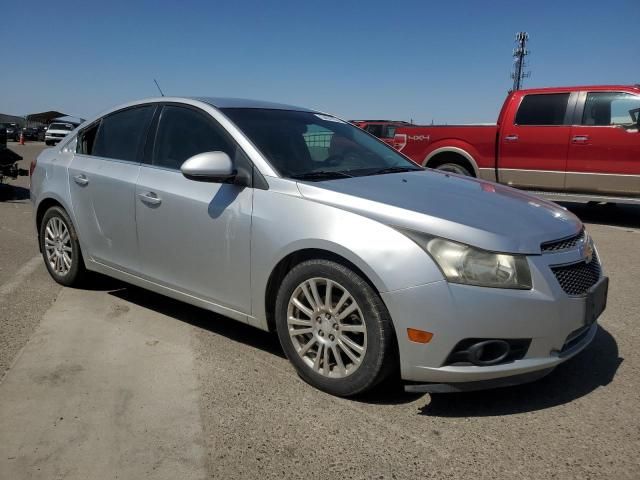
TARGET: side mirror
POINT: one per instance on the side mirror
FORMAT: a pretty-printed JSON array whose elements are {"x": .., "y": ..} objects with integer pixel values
[{"x": 209, "y": 167}]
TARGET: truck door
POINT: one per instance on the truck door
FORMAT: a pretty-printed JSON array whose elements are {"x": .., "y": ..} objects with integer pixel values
[
  {"x": 533, "y": 147},
  {"x": 604, "y": 152}
]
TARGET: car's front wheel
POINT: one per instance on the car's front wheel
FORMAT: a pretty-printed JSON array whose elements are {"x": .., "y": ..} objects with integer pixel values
[
  {"x": 60, "y": 248},
  {"x": 334, "y": 328}
]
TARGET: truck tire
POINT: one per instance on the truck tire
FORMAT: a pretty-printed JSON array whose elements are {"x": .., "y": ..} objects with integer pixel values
[
  {"x": 334, "y": 328},
  {"x": 454, "y": 168}
]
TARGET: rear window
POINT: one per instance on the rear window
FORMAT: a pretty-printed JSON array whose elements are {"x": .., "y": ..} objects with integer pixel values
[
  {"x": 543, "y": 109},
  {"x": 61, "y": 126},
  {"x": 122, "y": 134}
]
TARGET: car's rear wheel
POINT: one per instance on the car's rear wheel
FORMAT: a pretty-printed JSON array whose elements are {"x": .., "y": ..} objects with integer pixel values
[
  {"x": 60, "y": 248},
  {"x": 334, "y": 328}
]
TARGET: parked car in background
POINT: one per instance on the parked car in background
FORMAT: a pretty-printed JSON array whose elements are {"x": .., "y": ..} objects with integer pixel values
[
  {"x": 40, "y": 133},
  {"x": 56, "y": 132},
  {"x": 292, "y": 220},
  {"x": 12, "y": 131},
  {"x": 8, "y": 159},
  {"x": 574, "y": 144},
  {"x": 30, "y": 133}
]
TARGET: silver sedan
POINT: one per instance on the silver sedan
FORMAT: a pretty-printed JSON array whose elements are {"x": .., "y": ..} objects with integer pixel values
[{"x": 295, "y": 221}]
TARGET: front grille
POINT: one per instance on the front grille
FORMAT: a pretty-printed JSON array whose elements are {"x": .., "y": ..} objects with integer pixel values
[
  {"x": 577, "y": 278},
  {"x": 564, "y": 244}
]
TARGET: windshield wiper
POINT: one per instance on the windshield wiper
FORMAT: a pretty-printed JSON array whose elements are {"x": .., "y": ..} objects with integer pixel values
[
  {"x": 396, "y": 169},
  {"x": 321, "y": 175}
]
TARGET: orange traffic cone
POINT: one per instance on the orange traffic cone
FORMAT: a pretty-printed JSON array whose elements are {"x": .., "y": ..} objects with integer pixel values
[{"x": 21, "y": 138}]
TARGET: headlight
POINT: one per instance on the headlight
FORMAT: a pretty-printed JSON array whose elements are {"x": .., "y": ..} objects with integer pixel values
[{"x": 471, "y": 266}]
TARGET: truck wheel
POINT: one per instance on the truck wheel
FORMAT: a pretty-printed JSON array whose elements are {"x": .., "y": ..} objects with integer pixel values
[
  {"x": 60, "y": 248},
  {"x": 454, "y": 168},
  {"x": 334, "y": 328}
]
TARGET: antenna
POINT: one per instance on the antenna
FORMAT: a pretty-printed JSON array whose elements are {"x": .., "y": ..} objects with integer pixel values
[
  {"x": 519, "y": 53},
  {"x": 159, "y": 89}
]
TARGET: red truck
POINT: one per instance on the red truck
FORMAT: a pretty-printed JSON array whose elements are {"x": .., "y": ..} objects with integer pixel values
[{"x": 571, "y": 144}]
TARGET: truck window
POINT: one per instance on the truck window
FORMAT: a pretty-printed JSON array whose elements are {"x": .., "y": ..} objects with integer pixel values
[
  {"x": 611, "y": 108},
  {"x": 389, "y": 131},
  {"x": 543, "y": 109},
  {"x": 375, "y": 130}
]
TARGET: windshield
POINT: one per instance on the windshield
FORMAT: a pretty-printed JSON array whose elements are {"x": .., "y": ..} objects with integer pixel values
[
  {"x": 315, "y": 146},
  {"x": 61, "y": 126}
]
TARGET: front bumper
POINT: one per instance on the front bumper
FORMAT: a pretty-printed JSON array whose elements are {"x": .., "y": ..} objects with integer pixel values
[{"x": 551, "y": 319}]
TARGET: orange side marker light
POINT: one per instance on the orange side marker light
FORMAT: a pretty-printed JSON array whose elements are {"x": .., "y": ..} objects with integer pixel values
[{"x": 419, "y": 336}]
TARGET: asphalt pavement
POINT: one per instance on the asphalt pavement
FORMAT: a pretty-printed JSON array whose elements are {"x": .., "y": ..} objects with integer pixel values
[{"x": 113, "y": 381}]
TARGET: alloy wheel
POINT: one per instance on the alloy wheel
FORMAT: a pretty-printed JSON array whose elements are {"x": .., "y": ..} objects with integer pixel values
[
  {"x": 327, "y": 327},
  {"x": 57, "y": 245}
]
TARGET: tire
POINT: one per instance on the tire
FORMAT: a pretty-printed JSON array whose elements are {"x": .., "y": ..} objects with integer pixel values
[
  {"x": 55, "y": 249},
  {"x": 47, "y": 142},
  {"x": 368, "y": 326},
  {"x": 454, "y": 168}
]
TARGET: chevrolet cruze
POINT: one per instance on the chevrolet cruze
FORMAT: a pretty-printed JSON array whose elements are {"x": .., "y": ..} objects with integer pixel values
[{"x": 365, "y": 264}]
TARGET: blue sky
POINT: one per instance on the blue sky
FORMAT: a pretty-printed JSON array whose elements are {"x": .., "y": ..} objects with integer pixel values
[{"x": 446, "y": 61}]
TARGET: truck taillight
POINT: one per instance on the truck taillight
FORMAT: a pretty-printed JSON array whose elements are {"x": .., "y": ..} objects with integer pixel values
[{"x": 32, "y": 166}]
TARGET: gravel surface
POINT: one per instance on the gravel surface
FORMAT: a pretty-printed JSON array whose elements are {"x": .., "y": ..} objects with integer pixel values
[{"x": 23, "y": 300}]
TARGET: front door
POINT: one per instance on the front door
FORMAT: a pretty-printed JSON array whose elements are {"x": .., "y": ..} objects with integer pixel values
[
  {"x": 533, "y": 150},
  {"x": 194, "y": 236},
  {"x": 102, "y": 179},
  {"x": 604, "y": 153}
]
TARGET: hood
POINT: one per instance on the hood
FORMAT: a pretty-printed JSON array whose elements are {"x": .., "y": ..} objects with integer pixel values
[{"x": 475, "y": 212}]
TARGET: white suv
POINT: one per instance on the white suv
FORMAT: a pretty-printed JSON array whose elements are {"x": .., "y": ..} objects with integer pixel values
[{"x": 56, "y": 132}]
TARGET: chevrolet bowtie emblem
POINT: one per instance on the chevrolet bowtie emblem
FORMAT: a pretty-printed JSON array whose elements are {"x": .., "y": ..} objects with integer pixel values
[{"x": 587, "y": 252}]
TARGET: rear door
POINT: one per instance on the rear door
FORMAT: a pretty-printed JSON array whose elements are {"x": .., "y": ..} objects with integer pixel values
[
  {"x": 533, "y": 148},
  {"x": 194, "y": 236},
  {"x": 102, "y": 179},
  {"x": 604, "y": 153}
]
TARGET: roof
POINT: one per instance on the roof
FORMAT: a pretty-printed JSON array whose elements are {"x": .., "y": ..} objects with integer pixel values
[
  {"x": 220, "y": 102},
  {"x": 45, "y": 117},
  {"x": 68, "y": 119},
  {"x": 593, "y": 88}
]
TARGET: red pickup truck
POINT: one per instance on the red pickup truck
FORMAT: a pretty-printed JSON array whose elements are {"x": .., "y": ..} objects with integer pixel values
[{"x": 572, "y": 144}]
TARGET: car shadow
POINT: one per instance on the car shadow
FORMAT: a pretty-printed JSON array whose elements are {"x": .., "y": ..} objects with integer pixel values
[
  {"x": 594, "y": 367},
  {"x": 13, "y": 193},
  {"x": 197, "y": 317},
  {"x": 606, "y": 214}
]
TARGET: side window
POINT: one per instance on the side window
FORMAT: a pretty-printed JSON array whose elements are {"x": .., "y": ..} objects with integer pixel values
[
  {"x": 389, "y": 131},
  {"x": 375, "y": 130},
  {"x": 543, "y": 109},
  {"x": 183, "y": 133},
  {"x": 86, "y": 139},
  {"x": 122, "y": 134},
  {"x": 611, "y": 108}
]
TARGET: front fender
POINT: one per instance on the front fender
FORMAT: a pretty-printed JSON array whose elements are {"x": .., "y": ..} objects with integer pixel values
[{"x": 284, "y": 224}]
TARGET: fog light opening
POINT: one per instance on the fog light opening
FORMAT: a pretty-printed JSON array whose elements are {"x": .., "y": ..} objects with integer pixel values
[{"x": 489, "y": 352}]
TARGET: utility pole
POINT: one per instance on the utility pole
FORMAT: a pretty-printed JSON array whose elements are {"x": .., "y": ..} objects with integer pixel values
[{"x": 519, "y": 64}]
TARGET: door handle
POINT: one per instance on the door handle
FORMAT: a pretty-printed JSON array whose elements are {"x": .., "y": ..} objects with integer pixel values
[
  {"x": 580, "y": 138},
  {"x": 511, "y": 138},
  {"x": 81, "y": 180},
  {"x": 150, "y": 198}
]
